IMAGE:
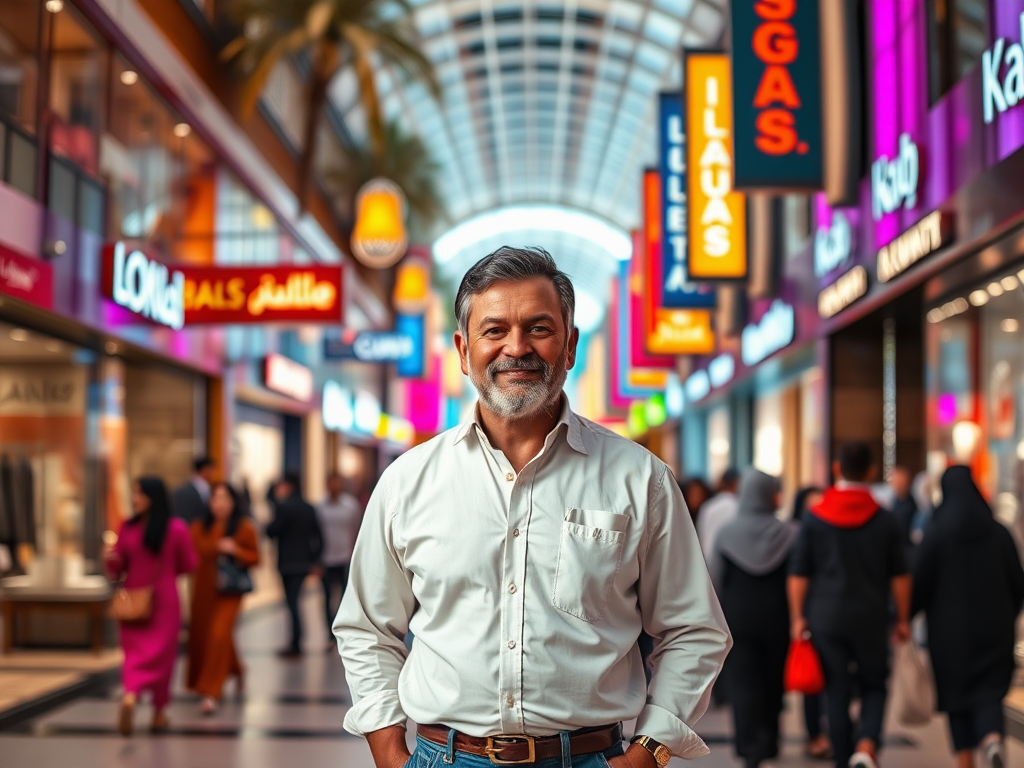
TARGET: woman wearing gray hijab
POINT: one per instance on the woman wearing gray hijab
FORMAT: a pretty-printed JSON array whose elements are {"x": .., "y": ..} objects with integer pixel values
[{"x": 749, "y": 568}]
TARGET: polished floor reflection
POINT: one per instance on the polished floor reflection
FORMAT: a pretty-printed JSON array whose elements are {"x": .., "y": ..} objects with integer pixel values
[{"x": 291, "y": 715}]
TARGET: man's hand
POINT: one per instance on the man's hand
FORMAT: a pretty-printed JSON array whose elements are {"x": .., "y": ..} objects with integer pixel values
[
  {"x": 388, "y": 747},
  {"x": 799, "y": 629},
  {"x": 635, "y": 757},
  {"x": 901, "y": 632}
]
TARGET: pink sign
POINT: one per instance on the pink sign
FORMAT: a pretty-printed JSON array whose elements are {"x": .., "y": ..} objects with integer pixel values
[{"x": 26, "y": 278}]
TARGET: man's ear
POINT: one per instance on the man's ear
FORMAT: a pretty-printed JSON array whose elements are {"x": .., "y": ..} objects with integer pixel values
[
  {"x": 574, "y": 340},
  {"x": 463, "y": 348}
]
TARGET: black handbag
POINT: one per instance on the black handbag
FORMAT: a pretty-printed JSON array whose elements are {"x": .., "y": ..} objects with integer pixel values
[{"x": 232, "y": 579}]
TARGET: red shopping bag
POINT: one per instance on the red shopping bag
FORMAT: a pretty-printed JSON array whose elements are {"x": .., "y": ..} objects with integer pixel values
[{"x": 803, "y": 669}]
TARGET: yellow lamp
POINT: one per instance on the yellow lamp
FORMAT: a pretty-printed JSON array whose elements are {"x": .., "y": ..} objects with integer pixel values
[{"x": 379, "y": 238}]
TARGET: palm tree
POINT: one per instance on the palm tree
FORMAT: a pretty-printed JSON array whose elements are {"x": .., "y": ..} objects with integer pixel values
[
  {"x": 405, "y": 160},
  {"x": 331, "y": 33}
]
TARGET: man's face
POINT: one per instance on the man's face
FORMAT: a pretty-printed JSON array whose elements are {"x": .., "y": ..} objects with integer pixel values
[
  {"x": 335, "y": 485},
  {"x": 282, "y": 490},
  {"x": 517, "y": 349},
  {"x": 208, "y": 472},
  {"x": 901, "y": 481}
]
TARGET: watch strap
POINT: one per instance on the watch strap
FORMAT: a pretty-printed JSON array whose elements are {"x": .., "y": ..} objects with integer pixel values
[{"x": 661, "y": 753}]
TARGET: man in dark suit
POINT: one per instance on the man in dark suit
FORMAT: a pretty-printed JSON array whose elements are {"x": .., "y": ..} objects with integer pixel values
[
  {"x": 189, "y": 500},
  {"x": 299, "y": 544}
]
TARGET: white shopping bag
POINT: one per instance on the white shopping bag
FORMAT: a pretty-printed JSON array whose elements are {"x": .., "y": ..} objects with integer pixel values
[{"x": 913, "y": 686}]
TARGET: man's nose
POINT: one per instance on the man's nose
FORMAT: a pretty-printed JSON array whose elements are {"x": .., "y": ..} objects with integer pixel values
[{"x": 517, "y": 343}]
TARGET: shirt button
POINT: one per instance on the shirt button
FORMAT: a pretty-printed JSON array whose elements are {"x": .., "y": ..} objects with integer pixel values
[
  {"x": 510, "y": 701},
  {"x": 510, "y": 477},
  {"x": 511, "y": 644},
  {"x": 512, "y": 588},
  {"x": 516, "y": 533}
]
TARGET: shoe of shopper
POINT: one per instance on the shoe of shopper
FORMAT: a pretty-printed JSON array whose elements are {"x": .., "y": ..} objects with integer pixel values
[
  {"x": 994, "y": 755},
  {"x": 819, "y": 749},
  {"x": 126, "y": 715},
  {"x": 160, "y": 722},
  {"x": 208, "y": 706},
  {"x": 863, "y": 760}
]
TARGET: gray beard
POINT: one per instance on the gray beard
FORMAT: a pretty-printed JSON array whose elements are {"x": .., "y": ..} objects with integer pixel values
[{"x": 521, "y": 400}]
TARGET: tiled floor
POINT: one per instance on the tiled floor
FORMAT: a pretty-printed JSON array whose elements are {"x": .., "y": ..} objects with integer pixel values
[
  {"x": 28, "y": 675},
  {"x": 292, "y": 714}
]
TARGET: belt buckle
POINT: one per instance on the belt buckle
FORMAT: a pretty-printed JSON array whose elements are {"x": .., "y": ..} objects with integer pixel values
[{"x": 492, "y": 750}]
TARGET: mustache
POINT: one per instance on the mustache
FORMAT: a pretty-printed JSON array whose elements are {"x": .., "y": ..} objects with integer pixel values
[{"x": 529, "y": 363}]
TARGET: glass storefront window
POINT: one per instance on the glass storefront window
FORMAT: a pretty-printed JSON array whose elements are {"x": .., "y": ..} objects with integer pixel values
[
  {"x": 19, "y": 62},
  {"x": 976, "y": 388},
  {"x": 77, "y": 97},
  {"x": 162, "y": 176},
  {"x": 50, "y": 483}
]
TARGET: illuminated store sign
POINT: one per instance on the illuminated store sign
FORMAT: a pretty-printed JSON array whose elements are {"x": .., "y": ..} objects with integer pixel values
[
  {"x": 221, "y": 295},
  {"x": 25, "y": 278},
  {"x": 777, "y": 103},
  {"x": 144, "y": 286},
  {"x": 924, "y": 238},
  {"x": 673, "y": 199},
  {"x": 404, "y": 345},
  {"x": 337, "y": 408},
  {"x": 717, "y": 217},
  {"x": 682, "y": 332},
  {"x": 721, "y": 370},
  {"x": 287, "y": 377},
  {"x": 775, "y": 331},
  {"x": 894, "y": 182},
  {"x": 1000, "y": 96},
  {"x": 698, "y": 386},
  {"x": 832, "y": 245},
  {"x": 379, "y": 238},
  {"x": 843, "y": 292}
]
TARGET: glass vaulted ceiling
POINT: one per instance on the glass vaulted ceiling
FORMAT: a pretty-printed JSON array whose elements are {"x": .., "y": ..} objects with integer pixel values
[{"x": 543, "y": 103}]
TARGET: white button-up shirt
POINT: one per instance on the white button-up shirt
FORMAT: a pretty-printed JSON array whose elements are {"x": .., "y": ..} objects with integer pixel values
[{"x": 526, "y": 592}]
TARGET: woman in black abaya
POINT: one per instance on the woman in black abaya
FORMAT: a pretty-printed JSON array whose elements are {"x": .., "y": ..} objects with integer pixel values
[{"x": 969, "y": 582}]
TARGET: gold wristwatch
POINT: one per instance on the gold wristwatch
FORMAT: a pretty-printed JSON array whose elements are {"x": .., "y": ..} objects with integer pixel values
[{"x": 656, "y": 748}]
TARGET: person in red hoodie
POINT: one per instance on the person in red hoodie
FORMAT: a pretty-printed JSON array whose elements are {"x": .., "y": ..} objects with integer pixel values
[{"x": 847, "y": 560}]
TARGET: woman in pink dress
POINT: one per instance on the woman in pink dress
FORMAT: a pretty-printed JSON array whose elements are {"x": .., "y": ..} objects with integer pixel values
[{"x": 152, "y": 549}]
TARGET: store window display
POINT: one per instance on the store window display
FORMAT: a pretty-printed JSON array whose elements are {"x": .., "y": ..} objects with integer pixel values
[
  {"x": 976, "y": 387},
  {"x": 51, "y": 518},
  {"x": 19, "y": 84}
]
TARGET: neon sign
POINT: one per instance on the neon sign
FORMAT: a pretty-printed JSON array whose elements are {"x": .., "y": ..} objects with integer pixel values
[{"x": 145, "y": 286}]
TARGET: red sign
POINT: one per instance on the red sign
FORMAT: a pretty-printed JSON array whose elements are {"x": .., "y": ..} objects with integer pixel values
[
  {"x": 308, "y": 294},
  {"x": 287, "y": 377},
  {"x": 26, "y": 279},
  {"x": 221, "y": 295}
]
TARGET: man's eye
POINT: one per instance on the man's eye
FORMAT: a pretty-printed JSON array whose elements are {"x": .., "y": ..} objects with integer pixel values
[
  {"x": 492, "y": 331},
  {"x": 539, "y": 329}
]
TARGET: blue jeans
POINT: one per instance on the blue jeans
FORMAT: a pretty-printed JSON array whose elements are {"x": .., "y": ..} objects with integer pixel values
[{"x": 431, "y": 755}]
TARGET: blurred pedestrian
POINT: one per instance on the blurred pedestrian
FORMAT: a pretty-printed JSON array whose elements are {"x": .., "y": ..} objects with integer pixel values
[
  {"x": 151, "y": 551},
  {"x": 223, "y": 538},
  {"x": 818, "y": 745},
  {"x": 299, "y": 547},
  {"x": 749, "y": 565},
  {"x": 969, "y": 583},
  {"x": 904, "y": 507},
  {"x": 695, "y": 493},
  {"x": 717, "y": 512},
  {"x": 189, "y": 500},
  {"x": 339, "y": 515},
  {"x": 847, "y": 560}
]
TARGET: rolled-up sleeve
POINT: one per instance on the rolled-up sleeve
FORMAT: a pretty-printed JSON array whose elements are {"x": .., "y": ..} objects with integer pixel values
[
  {"x": 373, "y": 620},
  {"x": 681, "y": 612}
]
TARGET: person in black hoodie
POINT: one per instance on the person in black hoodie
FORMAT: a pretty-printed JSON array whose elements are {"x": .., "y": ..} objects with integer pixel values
[
  {"x": 748, "y": 565},
  {"x": 847, "y": 560},
  {"x": 969, "y": 582},
  {"x": 299, "y": 544}
]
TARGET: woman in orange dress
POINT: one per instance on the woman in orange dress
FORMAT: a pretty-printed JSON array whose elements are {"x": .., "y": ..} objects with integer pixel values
[{"x": 222, "y": 532}]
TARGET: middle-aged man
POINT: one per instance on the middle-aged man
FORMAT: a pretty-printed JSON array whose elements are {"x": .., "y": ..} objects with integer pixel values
[
  {"x": 299, "y": 546},
  {"x": 188, "y": 501},
  {"x": 526, "y": 549},
  {"x": 847, "y": 560}
]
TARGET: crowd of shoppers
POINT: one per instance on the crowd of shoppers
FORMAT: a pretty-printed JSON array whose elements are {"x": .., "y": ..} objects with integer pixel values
[
  {"x": 204, "y": 528},
  {"x": 849, "y": 573}
]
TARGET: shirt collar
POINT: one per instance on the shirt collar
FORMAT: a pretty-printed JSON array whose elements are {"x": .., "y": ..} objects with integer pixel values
[{"x": 574, "y": 427}]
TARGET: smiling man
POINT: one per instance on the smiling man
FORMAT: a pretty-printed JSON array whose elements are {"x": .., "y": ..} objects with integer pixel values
[{"x": 526, "y": 549}]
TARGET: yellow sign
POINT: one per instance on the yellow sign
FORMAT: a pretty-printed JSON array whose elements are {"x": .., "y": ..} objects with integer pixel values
[
  {"x": 379, "y": 238},
  {"x": 717, "y": 216},
  {"x": 681, "y": 332}
]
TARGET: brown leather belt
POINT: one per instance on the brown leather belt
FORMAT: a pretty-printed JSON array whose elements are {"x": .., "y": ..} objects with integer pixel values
[{"x": 515, "y": 749}]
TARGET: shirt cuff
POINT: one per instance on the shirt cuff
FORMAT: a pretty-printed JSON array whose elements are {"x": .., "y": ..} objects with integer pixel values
[
  {"x": 661, "y": 725},
  {"x": 376, "y": 711}
]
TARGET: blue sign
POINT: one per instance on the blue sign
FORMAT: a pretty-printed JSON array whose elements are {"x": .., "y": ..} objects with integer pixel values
[
  {"x": 677, "y": 292},
  {"x": 403, "y": 346}
]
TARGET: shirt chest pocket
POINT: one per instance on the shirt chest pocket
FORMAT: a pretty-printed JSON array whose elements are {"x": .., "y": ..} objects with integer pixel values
[{"x": 589, "y": 556}]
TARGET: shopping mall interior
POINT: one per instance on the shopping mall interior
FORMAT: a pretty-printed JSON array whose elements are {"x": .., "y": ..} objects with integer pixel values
[{"x": 232, "y": 238}]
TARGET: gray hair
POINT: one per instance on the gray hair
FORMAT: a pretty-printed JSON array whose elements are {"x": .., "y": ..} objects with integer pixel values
[{"x": 513, "y": 265}]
